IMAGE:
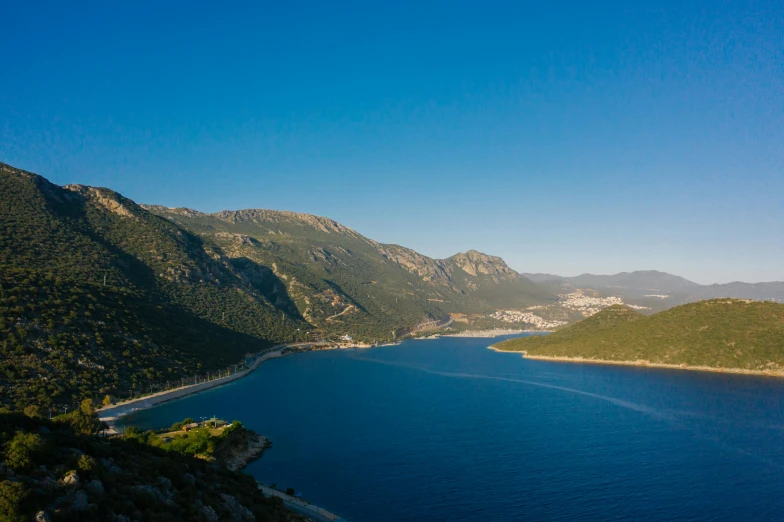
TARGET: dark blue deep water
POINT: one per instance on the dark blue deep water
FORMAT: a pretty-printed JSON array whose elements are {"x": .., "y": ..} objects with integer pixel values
[{"x": 448, "y": 430}]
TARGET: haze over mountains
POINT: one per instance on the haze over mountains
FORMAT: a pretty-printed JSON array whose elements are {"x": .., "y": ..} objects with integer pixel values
[{"x": 670, "y": 288}]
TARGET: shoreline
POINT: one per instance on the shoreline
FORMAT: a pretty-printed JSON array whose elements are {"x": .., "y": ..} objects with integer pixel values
[
  {"x": 643, "y": 364},
  {"x": 112, "y": 414},
  {"x": 302, "y": 507},
  {"x": 492, "y": 333}
]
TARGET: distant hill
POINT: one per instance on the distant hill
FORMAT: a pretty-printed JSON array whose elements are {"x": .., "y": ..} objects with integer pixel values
[
  {"x": 647, "y": 280},
  {"x": 671, "y": 290},
  {"x": 718, "y": 333},
  {"x": 759, "y": 291}
]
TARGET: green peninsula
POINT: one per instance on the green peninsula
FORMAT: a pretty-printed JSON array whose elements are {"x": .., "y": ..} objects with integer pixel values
[{"x": 719, "y": 334}]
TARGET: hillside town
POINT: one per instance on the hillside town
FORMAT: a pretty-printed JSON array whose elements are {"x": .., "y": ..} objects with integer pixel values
[
  {"x": 575, "y": 301},
  {"x": 587, "y": 305},
  {"x": 515, "y": 316}
]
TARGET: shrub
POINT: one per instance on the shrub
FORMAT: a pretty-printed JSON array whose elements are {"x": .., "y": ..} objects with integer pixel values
[{"x": 21, "y": 451}]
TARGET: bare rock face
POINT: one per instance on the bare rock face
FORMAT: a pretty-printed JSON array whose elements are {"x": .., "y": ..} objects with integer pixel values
[
  {"x": 182, "y": 211},
  {"x": 254, "y": 446},
  {"x": 428, "y": 269},
  {"x": 475, "y": 263},
  {"x": 106, "y": 198}
]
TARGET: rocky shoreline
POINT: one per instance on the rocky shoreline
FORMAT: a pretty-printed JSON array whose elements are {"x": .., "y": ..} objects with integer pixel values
[{"x": 238, "y": 457}]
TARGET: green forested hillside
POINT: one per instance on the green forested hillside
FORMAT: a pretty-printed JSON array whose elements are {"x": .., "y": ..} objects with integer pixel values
[
  {"x": 719, "y": 333},
  {"x": 98, "y": 296}
]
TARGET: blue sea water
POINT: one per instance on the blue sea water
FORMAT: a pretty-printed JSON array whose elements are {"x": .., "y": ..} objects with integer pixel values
[{"x": 448, "y": 430}]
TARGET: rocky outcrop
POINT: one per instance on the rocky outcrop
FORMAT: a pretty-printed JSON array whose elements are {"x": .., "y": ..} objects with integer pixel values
[
  {"x": 247, "y": 447},
  {"x": 110, "y": 200},
  {"x": 427, "y": 268},
  {"x": 475, "y": 263},
  {"x": 181, "y": 211}
]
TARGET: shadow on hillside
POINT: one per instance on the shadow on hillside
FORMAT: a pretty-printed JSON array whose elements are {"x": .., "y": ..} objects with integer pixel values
[
  {"x": 264, "y": 280},
  {"x": 339, "y": 290}
]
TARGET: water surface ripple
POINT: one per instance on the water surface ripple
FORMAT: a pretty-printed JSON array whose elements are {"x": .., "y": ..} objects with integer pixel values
[{"x": 448, "y": 430}]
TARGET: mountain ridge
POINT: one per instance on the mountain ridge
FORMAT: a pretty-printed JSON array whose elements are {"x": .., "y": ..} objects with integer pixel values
[
  {"x": 470, "y": 274},
  {"x": 673, "y": 289},
  {"x": 101, "y": 296}
]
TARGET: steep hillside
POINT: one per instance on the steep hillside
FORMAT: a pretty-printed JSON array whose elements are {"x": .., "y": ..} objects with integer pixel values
[
  {"x": 98, "y": 296},
  {"x": 331, "y": 269},
  {"x": 719, "y": 333},
  {"x": 490, "y": 280}
]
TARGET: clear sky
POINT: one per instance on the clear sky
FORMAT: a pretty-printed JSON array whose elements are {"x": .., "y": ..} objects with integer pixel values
[{"x": 566, "y": 137}]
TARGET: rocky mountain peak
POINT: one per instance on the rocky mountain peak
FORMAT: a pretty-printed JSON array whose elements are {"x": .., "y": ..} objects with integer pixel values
[{"x": 474, "y": 263}]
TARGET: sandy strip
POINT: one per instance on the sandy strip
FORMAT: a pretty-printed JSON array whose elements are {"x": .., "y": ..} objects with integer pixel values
[
  {"x": 643, "y": 363},
  {"x": 492, "y": 333}
]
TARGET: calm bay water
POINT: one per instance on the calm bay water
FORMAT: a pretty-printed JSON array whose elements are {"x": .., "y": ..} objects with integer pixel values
[{"x": 448, "y": 430}]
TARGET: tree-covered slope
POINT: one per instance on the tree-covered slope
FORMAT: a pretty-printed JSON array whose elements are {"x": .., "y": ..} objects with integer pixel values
[
  {"x": 98, "y": 296},
  {"x": 50, "y": 471},
  {"x": 719, "y": 333}
]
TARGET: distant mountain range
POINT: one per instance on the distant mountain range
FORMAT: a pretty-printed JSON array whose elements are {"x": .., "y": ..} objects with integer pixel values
[{"x": 646, "y": 283}]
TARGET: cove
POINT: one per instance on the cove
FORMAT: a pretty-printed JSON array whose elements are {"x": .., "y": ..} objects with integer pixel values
[{"x": 448, "y": 430}]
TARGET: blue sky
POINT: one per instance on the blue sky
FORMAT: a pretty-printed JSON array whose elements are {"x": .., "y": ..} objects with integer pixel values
[{"x": 566, "y": 137}]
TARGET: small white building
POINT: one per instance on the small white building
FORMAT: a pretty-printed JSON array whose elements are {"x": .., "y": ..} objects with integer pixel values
[{"x": 347, "y": 337}]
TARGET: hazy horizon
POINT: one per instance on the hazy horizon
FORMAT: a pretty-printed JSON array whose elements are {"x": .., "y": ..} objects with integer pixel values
[{"x": 566, "y": 139}]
